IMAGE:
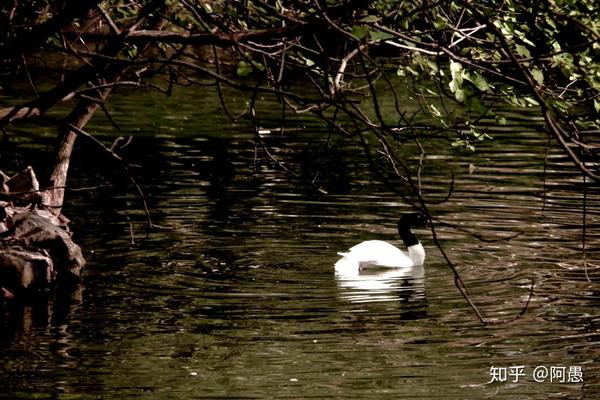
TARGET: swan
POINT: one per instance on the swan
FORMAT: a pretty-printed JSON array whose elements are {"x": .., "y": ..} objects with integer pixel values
[{"x": 377, "y": 253}]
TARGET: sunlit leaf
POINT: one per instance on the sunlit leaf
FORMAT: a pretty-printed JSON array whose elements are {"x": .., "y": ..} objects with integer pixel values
[
  {"x": 531, "y": 101},
  {"x": 379, "y": 35},
  {"x": 453, "y": 86},
  {"x": 243, "y": 69},
  {"x": 435, "y": 111},
  {"x": 455, "y": 67},
  {"x": 523, "y": 51},
  {"x": 500, "y": 120},
  {"x": 538, "y": 75},
  {"x": 370, "y": 18},
  {"x": 480, "y": 82}
]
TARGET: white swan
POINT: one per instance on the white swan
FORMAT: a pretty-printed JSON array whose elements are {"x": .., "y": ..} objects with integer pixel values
[{"x": 377, "y": 253}]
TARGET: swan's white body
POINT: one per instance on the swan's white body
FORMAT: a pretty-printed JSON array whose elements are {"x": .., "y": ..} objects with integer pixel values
[
  {"x": 381, "y": 254},
  {"x": 375, "y": 271}
]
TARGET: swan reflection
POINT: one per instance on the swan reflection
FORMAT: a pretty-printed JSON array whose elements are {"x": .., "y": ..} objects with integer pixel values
[{"x": 374, "y": 284}]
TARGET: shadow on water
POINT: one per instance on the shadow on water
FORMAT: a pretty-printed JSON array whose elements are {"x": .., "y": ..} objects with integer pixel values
[{"x": 22, "y": 318}]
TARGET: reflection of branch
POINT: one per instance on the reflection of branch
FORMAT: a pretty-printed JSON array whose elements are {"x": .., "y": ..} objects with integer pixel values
[
  {"x": 478, "y": 236},
  {"x": 450, "y": 192},
  {"x": 520, "y": 314},
  {"x": 258, "y": 140}
]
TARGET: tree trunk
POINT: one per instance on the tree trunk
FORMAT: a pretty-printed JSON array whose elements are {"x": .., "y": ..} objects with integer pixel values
[
  {"x": 85, "y": 109},
  {"x": 79, "y": 117}
]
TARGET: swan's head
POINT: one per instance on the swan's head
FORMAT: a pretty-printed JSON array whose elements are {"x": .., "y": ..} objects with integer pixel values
[
  {"x": 408, "y": 221},
  {"x": 417, "y": 220}
]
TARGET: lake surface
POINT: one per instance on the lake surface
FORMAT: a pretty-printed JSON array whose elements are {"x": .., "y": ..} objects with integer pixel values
[{"x": 236, "y": 297}]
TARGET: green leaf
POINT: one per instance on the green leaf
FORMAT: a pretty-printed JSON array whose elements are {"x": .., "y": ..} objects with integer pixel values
[
  {"x": 529, "y": 42},
  {"x": 455, "y": 67},
  {"x": 454, "y": 85},
  {"x": 460, "y": 95},
  {"x": 597, "y": 105},
  {"x": 380, "y": 35},
  {"x": 435, "y": 111},
  {"x": 538, "y": 75},
  {"x": 411, "y": 70},
  {"x": 523, "y": 51},
  {"x": 244, "y": 69},
  {"x": 261, "y": 67},
  {"x": 476, "y": 105},
  {"x": 360, "y": 31},
  {"x": 131, "y": 51},
  {"x": 500, "y": 120},
  {"x": 440, "y": 23},
  {"x": 55, "y": 40},
  {"x": 370, "y": 18},
  {"x": 531, "y": 101},
  {"x": 480, "y": 82},
  {"x": 309, "y": 62}
]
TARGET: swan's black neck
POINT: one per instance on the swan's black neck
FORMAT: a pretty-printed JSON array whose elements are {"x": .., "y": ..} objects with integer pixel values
[
  {"x": 404, "y": 226},
  {"x": 407, "y": 236}
]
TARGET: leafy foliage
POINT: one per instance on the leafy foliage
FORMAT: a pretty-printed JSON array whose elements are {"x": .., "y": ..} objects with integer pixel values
[{"x": 456, "y": 59}]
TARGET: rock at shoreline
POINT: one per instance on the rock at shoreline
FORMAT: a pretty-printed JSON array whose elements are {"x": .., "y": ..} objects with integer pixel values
[{"x": 36, "y": 248}]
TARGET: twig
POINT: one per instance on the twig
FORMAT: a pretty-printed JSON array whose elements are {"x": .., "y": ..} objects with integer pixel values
[
  {"x": 472, "y": 31},
  {"x": 343, "y": 64},
  {"x": 109, "y": 20},
  {"x": 219, "y": 89},
  {"x": 123, "y": 165},
  {"x": 413, "y": 48},
  {"x": 31, "y": 84}
]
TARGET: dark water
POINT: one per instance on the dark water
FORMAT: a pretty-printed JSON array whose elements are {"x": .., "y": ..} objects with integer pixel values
[{"x": 236, "y": 297}]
